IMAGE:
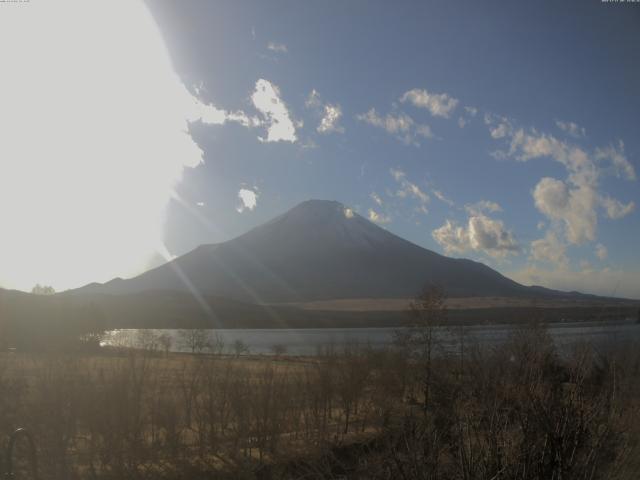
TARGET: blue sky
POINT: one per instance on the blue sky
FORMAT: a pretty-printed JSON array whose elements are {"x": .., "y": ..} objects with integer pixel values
[{"x": 506, "y": 132}]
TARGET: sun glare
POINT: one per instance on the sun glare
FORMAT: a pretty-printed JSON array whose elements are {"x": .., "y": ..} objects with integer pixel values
[{"x": 93, "y": 124}]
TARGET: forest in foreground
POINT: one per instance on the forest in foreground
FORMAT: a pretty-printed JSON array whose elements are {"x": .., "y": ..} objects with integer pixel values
[{"x": 520, "y": 410}]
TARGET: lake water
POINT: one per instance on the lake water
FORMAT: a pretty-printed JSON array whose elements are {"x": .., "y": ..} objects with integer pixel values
[{"x": 309, "y": 341}]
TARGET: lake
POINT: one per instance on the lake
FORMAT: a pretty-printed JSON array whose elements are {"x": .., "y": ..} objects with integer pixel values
[{"x": 309, "y": 341}]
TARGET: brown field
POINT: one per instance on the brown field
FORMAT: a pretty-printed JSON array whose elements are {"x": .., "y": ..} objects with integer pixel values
[
  {"x": 517, "y": 411},
  {"x": 461, "y": 303}
]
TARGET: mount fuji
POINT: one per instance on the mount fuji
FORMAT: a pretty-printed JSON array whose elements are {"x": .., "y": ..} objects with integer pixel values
[{"x": 318, "y": 250}]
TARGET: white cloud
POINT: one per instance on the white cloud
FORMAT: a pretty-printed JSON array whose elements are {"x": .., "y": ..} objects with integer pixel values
[
  {"x": 401, "y": 125},
  {"x": 424, "y": 131},
  {"x": 598, "y": 282},
  {"x": 329, "y": 122},
  {"x": 313, "y": 100},
  {"x": 200, "y": 204},
  {"x": 440, "y": 196},
  {"x": 397, "y": 174},
  {"x": 585, "y": 265},
  {"x": 482, "y": 206},
  {"x": 376, "y": 198},
  {"x": 619, "y": 162},
  {"x": 574, "y": 207},
  {"x": 415, "y": 191},
  {"x": 491, "y": 236},
  {"x": 499, "y": 126},
  {"x": 211, "y": 115},
  {"x": 409, "y": 189},
  {"x": 266, "y": 99},
  {"x": 308, "y": 144},
  {"x": 601, "y": 251},
  {"x": 499, "y": 131},
  {"x": 571, "y": 129},
  {"x": 583, "y": 168},
  {"x": 499, "y": 155},
  {"x": 616, "y": 209},
  {"x": 480, "y": 234},
  {"x": 472, "y": 111},
  {"x": 248, "y": 200},
  {"x": 348, "y": 213},
  {"x": 393, "y": 124},
  {"x": 452, "y": 237},
  {"x": 330, "y": 113},
  {"x": 277, "y": 47},
  {"x": 549, "y": 249},
  {"x": 467, "y": 115},
  {"x": 378, "y": 217},
  {"x": 572, "y": 203},
  {"x": 438, "y": 104}
]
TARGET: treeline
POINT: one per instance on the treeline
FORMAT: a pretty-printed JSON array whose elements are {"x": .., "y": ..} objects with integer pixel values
[
  {"x": 143, "y": 415},
  {"x": 49, "y": 322},
  {"x": 174, "y": 310},
  {"x": 518, "y": 411}
]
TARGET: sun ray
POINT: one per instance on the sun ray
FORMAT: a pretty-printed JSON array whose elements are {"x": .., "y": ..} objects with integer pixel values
[{"x": 94, "y": 138}]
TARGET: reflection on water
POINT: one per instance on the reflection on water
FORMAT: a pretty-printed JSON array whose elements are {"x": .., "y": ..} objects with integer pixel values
[{"x": 309, "y": 341}]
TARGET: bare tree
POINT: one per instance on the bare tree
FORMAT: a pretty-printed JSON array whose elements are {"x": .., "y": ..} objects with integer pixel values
[
  {"x": 427, "y": 311},
  {"x": 147, "y": 340},
  {"x": 278, "y": 349},
  {"x": 240, "y": 348},
  {"x": 196, "y": 339},
  {"x": 216, "y": 344},
  {"x": 43, "y": 290},
  {"x": 166, "y": 341}
]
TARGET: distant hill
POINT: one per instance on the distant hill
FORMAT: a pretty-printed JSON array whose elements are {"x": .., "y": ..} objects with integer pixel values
[
  {"x": 317, "y": 265},
  {"x": 37, "y": 321},
  {"x": 319, "y": 250}
]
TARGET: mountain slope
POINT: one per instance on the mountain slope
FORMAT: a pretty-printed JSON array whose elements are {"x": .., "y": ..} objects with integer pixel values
[{"x": 317, "y": 250}]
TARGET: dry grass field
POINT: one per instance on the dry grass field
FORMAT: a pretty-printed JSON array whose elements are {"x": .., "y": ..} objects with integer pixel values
[
  {"x": 455, "y": 303},
  {"x": 515, "y": 411}
]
